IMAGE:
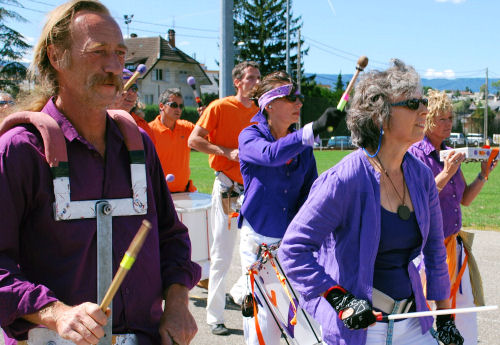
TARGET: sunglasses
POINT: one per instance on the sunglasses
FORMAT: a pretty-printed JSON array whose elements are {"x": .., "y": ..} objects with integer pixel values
[
  {"x": 293, "y": 97},
  {"x": 134, "y": 88},
  {"x": 6, "y": 102},
  {"x": 412, "y": 104},
  {"x": 175, "y": 105}
]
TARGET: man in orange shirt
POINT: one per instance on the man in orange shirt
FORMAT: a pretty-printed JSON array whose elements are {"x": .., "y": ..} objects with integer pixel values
[
  {"x": 171, "y": 140},
  {"x": 128, "y": 100},
  {"x": 216, "y": 133}
]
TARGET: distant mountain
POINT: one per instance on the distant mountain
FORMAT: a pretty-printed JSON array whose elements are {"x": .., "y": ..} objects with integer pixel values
[{"x": 440, "y": 84}]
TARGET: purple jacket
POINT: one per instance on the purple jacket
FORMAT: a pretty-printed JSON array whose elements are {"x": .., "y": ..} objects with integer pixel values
[
  {"x": 334, "y": 239},
  {"x": 277, "y": 174},
  {"x": 451, "y": 195},
  {"x": 43, "y": 260}
]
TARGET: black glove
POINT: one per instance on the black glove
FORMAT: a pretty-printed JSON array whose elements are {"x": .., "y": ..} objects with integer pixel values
[
  {"x": 331, "y": 117},
  {"x": 341, "y": 300},
  {"x": 447, "y": 332}
]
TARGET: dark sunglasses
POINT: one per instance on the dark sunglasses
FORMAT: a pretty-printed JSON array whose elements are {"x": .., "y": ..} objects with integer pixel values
[
  {"x": 412, "y": 104},
  {"x": 293, "y": 97},
  {"x": 6, "y": 102},
  {"x": 175, "y": 105}
]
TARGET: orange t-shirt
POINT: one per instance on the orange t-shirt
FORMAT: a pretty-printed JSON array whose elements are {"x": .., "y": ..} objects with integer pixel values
[
  {"x": 144, "y": 125},
  {"x": 224, "y": 119},
  {"x": 173, "y": 151}
]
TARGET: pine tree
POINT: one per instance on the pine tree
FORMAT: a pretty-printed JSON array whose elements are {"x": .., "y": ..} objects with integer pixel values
[
  {"x": 12, "y": 47},
  {"x": 260, "y": 34}
]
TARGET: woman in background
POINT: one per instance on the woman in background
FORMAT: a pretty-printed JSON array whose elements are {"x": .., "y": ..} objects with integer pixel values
[
  {"x": 466, "y": 289},
  {"x": 278, "y": 168}
]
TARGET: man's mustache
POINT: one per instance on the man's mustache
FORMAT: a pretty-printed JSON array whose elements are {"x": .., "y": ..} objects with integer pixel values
[{"x": 107, "y": 79}]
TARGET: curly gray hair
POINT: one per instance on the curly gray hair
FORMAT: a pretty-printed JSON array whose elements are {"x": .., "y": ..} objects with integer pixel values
[{"x": 371, "y": 105}]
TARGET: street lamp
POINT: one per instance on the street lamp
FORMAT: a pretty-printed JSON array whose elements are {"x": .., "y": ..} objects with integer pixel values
[{"x": 128, "y": 20}]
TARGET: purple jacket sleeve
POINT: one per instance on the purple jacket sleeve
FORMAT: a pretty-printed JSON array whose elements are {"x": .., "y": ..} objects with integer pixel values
[
  {"x": 256, "y": 149},
  {"x": 20, "y": 166},
  {"x": 175, "y": 245}
]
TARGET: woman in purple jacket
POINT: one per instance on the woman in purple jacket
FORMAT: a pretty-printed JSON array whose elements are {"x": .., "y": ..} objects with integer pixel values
[
  {"x": 278, "y": 168},
  {"x": 350, "y": 249}
]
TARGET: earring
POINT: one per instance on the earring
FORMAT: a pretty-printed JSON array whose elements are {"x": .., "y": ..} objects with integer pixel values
[{"x": 270, "y": 106}]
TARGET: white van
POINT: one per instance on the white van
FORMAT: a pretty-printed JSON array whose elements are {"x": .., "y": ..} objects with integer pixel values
[
  {"x": 456, "y": 139},
  {"x": 475, "y": 139}
]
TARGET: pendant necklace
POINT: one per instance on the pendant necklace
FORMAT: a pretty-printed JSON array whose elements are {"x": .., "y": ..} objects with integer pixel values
[{"x": 403, "y": 210}]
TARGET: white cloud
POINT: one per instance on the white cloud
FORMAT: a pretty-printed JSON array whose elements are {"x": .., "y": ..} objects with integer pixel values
[
  {"x": 432, "y": 73},
  {"x": 30, "y": 39},
  {"x": 182, "y": 43},
  {"x": 452, "y": 1}
]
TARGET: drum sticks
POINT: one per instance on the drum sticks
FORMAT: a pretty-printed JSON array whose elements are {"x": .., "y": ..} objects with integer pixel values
[
  {"x": 140, "y": 70},
  {"x": 362, "y": 63},
  {"x": 127, "y": 262},
  {"x": 436, "y": 312}
]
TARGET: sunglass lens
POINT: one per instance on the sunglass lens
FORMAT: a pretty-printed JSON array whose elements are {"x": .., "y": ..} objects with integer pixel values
[
  {"x": 425, "y": 101},
  {"x": 413, "y": 104}
]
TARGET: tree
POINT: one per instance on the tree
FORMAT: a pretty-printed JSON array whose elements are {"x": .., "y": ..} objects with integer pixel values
[
  {"x": 339, "y": 85},
  {"x": 12, "y": 47},
  {"x": 260, "y": 34}
]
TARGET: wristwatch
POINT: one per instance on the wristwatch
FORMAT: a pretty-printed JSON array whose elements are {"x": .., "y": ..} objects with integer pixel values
[{"x": 481, "y": 177}]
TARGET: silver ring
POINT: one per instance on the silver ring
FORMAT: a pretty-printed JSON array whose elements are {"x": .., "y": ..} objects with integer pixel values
[{"x": 457, "y": 161}]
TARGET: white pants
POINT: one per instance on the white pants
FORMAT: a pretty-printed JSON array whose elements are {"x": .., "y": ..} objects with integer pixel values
[
  {"x": 466, "y": 323},
  {"x": 406, "y": 332},
  {"x": 221, "y": 253},
  {"x": 249, "y": 247}
]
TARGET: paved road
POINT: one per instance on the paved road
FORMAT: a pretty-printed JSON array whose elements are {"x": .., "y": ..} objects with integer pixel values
[{"x": 486, "y": 250}]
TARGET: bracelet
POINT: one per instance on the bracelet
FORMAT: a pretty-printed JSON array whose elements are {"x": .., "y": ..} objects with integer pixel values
[{"x": 481, "y": 177}]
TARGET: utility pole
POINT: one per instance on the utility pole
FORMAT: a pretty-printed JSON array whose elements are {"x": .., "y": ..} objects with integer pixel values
[
  {"x": 299, "y": 75},
  {"x": 128, "y": 20},
  {"x": 485, "y": 134},
  {"x": 287, "y": 37},
  {"x": 226, "y": 49}
]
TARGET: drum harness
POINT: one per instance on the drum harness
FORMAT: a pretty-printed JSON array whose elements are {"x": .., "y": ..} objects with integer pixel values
[
  {"x": 103, "y": 210},
  {"x": 264, "y": 255}
]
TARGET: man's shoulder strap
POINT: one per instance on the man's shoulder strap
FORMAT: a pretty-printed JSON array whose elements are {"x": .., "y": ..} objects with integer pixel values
[
  {"x": 52, "y": 135},
  {"x": 129, "y": 129}
]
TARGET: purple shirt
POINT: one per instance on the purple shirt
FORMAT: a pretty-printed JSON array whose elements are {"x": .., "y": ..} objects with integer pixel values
[
  {"x": 277, "y": 175},
  {"x": 451, "y": 195},
  {"x": 334, "y": 240},
  {"x": 43, "y": 260}
]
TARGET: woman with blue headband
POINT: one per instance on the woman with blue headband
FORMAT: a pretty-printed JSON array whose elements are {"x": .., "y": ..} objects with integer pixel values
[
  {"x": 278, "y": 168},
  {"x": 349, "y": 251}
]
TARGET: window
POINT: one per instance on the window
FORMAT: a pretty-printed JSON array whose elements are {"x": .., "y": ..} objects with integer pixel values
[
  {"x": 157, "y": 74},
  {"x": 130, "y": 67},
  {"x": 166, "y": 75},
  {"x": 148, "y": 99}
]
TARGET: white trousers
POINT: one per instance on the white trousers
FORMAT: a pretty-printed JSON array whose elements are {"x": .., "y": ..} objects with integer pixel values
[
  {"x": 221, "y": 253},
  {"x": 406, "y": 332},
  {"x": 249, "y": 247},
  {"x": 466, "y": 323}
]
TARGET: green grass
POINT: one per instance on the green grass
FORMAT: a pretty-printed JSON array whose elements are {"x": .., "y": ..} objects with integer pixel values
[{"x": 483, "y": 213}]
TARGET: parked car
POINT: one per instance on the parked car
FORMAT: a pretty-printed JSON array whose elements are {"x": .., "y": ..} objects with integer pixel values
[
  {"x": 456, "y": 139},
  {"x": 342, "y": 142},
  {"x": 475, "y": 139}
]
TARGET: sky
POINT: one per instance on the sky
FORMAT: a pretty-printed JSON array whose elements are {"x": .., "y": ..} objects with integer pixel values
[{"x": 440, "y": 38}]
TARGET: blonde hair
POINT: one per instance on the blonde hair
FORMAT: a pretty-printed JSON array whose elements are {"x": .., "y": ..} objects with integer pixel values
[
  {"x": 439, "y": 103},
  {"x": 56, "y": 32}
]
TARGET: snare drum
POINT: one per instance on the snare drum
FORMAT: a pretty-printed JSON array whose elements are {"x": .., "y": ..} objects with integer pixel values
[
  {"x": 193, "y": 210},
  {"x": 282, "y": 300}
]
